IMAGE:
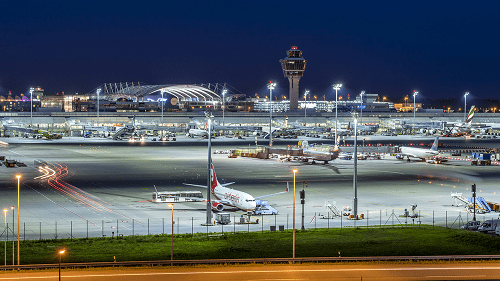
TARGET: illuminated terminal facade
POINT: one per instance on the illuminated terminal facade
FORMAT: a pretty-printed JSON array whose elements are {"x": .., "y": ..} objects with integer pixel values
[{"x": 134, "y": 97}]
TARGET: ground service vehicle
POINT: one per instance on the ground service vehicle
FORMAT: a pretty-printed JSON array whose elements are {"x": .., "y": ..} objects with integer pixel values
[
  {"x": 489, "y": 225},
  {"x": 472, "y": 225},
  {"x": 481, "y": 159},
  {"x": 222, "y": 218}
]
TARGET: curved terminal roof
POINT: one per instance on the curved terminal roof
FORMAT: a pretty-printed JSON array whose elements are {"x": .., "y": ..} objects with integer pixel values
[{"x": 187, "y": 92}]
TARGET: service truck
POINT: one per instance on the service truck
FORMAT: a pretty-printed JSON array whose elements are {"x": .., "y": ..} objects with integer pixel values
[
  {"x": 481, "y": 159},
  {"x": 489, "y": 225}
]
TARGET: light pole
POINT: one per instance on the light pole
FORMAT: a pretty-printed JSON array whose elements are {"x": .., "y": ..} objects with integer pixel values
[
  {"x": 355, "y": 176},
  {"x": 465, "y": 108},
  {"x": 18, "y": 189},
  {"x": 98, "y": 92},
  {"x": 61, "y": 252},
  {"x": 209, "y": 115},
  {"x": 31, "y": 100},
  {"x": 162, "y": 109},
  {"x": 172, "y": 245},
  {"x": 414, "y": 106},
  {"x": 223, "y": 106},
  {"x": 293, "y": 231},
  {"x": 305, "y": 107},
  {"x": 5, "y": 234},
  {"x": 361, "y": 116},
  {"x": 271, "y": 86},
  {"x": 336, "y": 87},
  {"x": 13, "y": 235}
]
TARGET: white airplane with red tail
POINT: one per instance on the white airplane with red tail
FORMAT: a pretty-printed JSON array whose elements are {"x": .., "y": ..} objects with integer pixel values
[{"x": 224, "y": 196}]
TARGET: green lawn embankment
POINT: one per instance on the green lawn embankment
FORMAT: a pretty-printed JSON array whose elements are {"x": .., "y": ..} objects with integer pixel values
[{"x": 349, "y": 242}]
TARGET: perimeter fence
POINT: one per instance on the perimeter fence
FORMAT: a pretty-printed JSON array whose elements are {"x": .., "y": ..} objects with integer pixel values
[{"x": 239, "y": 223}]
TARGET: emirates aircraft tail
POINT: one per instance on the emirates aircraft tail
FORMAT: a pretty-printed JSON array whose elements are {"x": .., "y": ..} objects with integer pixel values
[{"x": 468, "y": 121}]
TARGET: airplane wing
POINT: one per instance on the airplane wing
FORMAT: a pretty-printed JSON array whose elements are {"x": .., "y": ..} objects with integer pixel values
[
  {"x": 204, "y": 186},
  {"x": 263, "y": 196},
  {"x": 197, "y": 185}
]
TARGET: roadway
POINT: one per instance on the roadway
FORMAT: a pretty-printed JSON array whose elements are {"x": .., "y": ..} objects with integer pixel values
[
  {"x": 356, "y": 271},
  {"x": 105, "y": 187}
]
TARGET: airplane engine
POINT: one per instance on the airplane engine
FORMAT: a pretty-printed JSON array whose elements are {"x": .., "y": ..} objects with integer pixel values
[{"x": 216, "y": 206}]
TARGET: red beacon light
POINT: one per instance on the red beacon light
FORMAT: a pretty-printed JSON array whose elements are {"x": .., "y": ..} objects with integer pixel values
[{"x": 294, "y": 48}]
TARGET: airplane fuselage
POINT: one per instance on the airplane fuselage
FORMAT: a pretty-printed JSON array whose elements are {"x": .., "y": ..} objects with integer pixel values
[{"x": 235, "y": 198}]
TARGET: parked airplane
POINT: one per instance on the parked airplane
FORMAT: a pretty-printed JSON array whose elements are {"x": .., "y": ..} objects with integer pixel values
[
  {"x": 462, "y": 127},
  {"x": 197, "y": 133},
  {"x": 421, "y": 153},
  {"x": 224, "y": 196},
  {"x": 323, "y": 153}
]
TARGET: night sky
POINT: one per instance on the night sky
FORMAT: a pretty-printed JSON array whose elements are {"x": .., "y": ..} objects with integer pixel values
[{"x": 439, "y": 48}]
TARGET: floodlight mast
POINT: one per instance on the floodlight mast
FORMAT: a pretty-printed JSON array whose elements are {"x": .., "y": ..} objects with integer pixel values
[
  {"x": 305, "y": 106},
  {"x": 465, "y": 108},
  {"x": 336, "y": 87},
  {"x": 361, "y": 116},
  {"x": 209, "y": 116},
  {"x": 271, "y": 87},
  {"x": 98, "y": 92},
  {"x": 31, "y": 100},
  {"x": 355, "y": 176},
  {"x": 414, "y": 106},
  {"x": 223, "y": 106}
]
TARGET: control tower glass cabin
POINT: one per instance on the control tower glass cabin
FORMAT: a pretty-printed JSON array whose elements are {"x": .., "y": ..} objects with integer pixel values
[{"x": 293, "y": 67}]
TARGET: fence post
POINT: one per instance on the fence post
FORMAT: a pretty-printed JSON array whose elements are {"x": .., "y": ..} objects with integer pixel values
[
  {"x": 56, "y": 229},
  {"x": 178, "y": 224},
  {"x": 433, "y": 219},
  {"x": 40, "y": 230},
  {"x": 262, "y": 221},
  {"x": 380, "y": 217},
  {"x": 24, "y": 230},
  {"x": 234, "y": 224},
  {"x": 328, "y": 219},
  {"x": 287, "y": 222},
  {"x": 419, "y": 221},
  {"x": 116, "y": 228},
  {"x": 148, "y": 227},
  {"x": 367, "y": 219},
  {"x": 133, "y": 227},
  {"x": 71, "y": 231},
  {"x": 102, "y": 228},
  {"x": 446, "y": 215},
  {"x": 315, "y": 220},
  {"x": 341, "y": 215},
  {"x": 87, "y": 229},
  {"x": 163, "y": 225}
]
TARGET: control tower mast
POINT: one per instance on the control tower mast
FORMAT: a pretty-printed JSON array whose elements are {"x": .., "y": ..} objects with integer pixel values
[{"x": 293, "y": 68}]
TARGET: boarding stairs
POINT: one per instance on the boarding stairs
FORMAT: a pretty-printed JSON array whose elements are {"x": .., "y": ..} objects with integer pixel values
[
  {"x": 124, "y": 133},
  {"x": 331, "y": 207},
  {"x": 481, "y": 205}
]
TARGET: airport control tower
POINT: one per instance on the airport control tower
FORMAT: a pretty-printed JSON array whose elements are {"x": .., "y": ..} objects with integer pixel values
[{"x": 293, "y": 68}]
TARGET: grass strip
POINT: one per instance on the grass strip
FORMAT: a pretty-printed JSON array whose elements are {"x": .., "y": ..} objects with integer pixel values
[{"x": 346, "y": 242}]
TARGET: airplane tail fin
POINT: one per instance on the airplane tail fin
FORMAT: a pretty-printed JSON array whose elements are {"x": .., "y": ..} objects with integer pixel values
[
  {"x": 468, "y": 121},
  {"x": 435, "y": 144},
  {"x": 286, "y": 186},
  {"x": 213, "y": 180},
  {"x": 304, "y": 144}
]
